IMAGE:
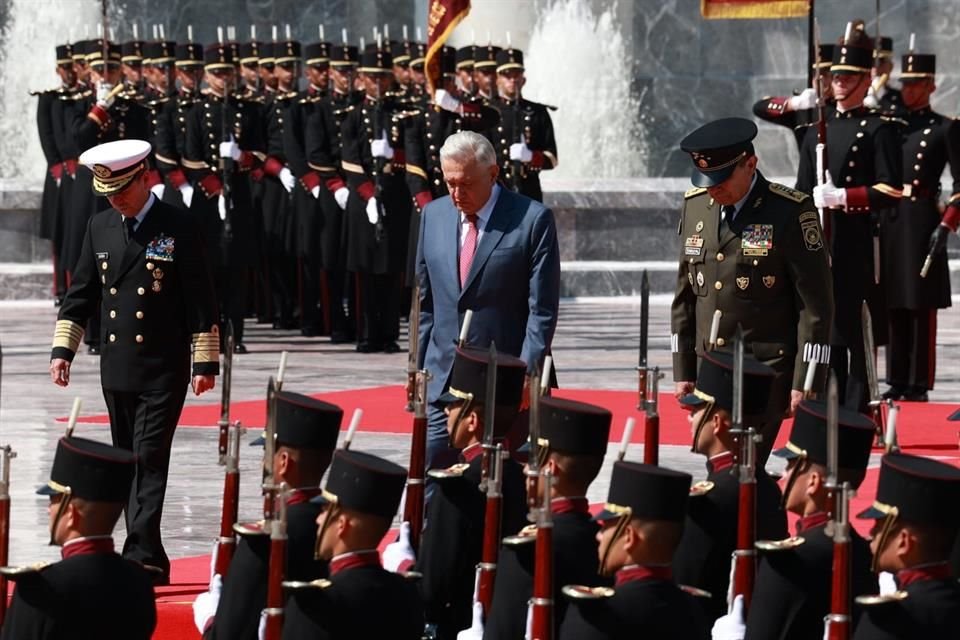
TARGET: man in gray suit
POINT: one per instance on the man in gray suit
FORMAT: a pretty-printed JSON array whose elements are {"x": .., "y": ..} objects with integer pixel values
[{"x": 489, "y": 250}]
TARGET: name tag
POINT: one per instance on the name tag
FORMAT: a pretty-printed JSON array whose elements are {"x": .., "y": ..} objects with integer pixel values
[{"x": 693, "y": 246}]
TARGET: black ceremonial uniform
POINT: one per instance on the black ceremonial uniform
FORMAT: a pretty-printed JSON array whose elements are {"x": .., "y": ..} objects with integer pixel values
[
  {"x": 529, "y": 122},
  {"x": 171, "y": 141},
  {"x": 74, "y": 205},
  {"x": 51, "y": 202},
  {"x": 930, "y": 610}
]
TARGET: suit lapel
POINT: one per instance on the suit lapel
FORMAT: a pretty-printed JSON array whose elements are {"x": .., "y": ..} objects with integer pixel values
[
  {"x": 138, "y": 242},
  {"x": 450, "y": 240},
  {"x": 492, "y": 234}
]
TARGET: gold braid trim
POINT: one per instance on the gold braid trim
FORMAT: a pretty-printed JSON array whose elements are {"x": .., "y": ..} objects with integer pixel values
[
  {"x": 68, "y": 335},
  {"x": 887, "y": 190},
  {"x": 206, "y": 347},
  {"x": 352, "y": 167},
  {"x": 417, "y": 171},
  {"x": 322, "y": 168}
]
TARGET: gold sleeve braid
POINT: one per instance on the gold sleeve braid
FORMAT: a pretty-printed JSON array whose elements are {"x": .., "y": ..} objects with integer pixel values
[
  {"x": 67, "y": 335},
  {"x": 206, "y": 347}
]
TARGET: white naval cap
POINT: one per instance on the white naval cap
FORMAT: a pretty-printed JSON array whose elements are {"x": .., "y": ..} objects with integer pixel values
[{"x": 115, "y": 164}]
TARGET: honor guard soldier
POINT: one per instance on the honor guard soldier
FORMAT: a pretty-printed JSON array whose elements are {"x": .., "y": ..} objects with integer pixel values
[
  {"x": 702, "y": 559},
  {"x": 465, "y": 70},
  {"x": 791, "y": 596},
  {"x": 882, "y": 96},
  {"x": 80, "y": 50},
  {"x": 749, "y": 245},
  {"x": 573, "y": 441},
  {"x": 863, "y": 154},
  {"x": 131, "y": 59},
  {"x": 915, "y": 230},
  {"x": 485, "y": 72},
  {"x": 641, "y": 524},
  {"x": 144, "y": 268},
  {"x": 451, "y": 543},
  {"x": 402, "y": 52},
  {"x": 207, "y": 143},
  {"x": 158, "y": 59},
  {"x": 250, "y": 69},
  {"x": 378, "y": 211},
  {"x": 418, "y": 74},
  {"x": 916, "y": 524},
  {"x": 360, "y": 599},
  {"x": 91, "y": 592},
  {"x": 306, "y": 437},
  {"x": 268, "y": 78},
  {"x": 800, "y": 111},
  {"x": 524, "y": 138}
]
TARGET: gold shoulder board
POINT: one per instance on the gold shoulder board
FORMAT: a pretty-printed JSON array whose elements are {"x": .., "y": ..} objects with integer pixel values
[
  {"x": 295, "y": 585},
  {"x": 894, "y": 119},
  {"x": 450, "y": 472},
  {"x": 694, "y": 192},
  {"x": 701, "y": 488},
  {"x": 18, "y": 572},
  {"x": 779, "y": 545},
  {"x": 875, "y": 599},
  {"x": 583, "y": 592},
  {"x": 526, "y": 535},
  {"x": 787, "y": 192}
]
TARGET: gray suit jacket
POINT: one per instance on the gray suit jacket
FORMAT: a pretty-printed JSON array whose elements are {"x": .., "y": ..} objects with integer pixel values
[{"x": 513, "y": 287}]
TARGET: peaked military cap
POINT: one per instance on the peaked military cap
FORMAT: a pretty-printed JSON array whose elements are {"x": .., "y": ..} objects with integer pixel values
[
  {"x": 468, "y": 378},
  {"x": 808, "y": 439},
  {"x": 305, "y": 423},
  {"x": 218, "y": 56},
  {"x": 715, "y": 383},
  {"x": 79, "y": 50},
  {"x": 64, "y": 54},
  {"x": 824, "y": 57},
  {"x": 509, "y": 58},
  {"x": 916, "y": 489},
  {"x": 115, "y": 164},
  {"x": 465, "y": 57},
  {"x": 419, "y": 56},
  {"x": 317, "y": 53},
  {"x": 189, "y": 55},
  {"x": 90, "y": 470},
  {"x": 132, "y": 51},
  {"x": 95, "y": 53},
  {"x": 159, "y": 52},
  {"x": 402, "y": 51},
  {"x": 286, "y": 51},
  {"x": 376, "y": 59},
  {"x": 854, "y": 55},
  {"x": 717, "y": 147},
  {"x": 885, "y": 47},
  {"x": 918, "y": 65},
  {"x": 646, "y": 492},
  {"x": 250, "y": 52},
  {"x": 343, "y": 55},
  {"x": 363, "y": 482},
  {"x": 485, "y": 56},
  {"x": 266, "y": 53},
  {"x": 572, "y": 427}
]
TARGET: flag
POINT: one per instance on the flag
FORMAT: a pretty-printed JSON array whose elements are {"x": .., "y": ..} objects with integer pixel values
[
  {"x": 443, "y": 16},
  {"x": 718, "y": 9}
]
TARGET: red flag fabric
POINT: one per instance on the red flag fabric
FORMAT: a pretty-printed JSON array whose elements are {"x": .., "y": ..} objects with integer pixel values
[
  {"x": 717, "y": 9},
  {"x": 443, "y": 16}
]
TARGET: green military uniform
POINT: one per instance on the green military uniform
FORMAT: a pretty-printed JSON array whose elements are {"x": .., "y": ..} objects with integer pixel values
[{"x": 766, "y": 270}]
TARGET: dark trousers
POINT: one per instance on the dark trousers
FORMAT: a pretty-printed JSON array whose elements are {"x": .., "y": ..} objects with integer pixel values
[
  {"x": 850, "y": 366},
  {"x": 380, "y": 308},
  {"x": 314, "y": 305},
  {"x": 232, "y": 285},
  {"x": 912, "y": 355},
  {"x": 144, "y": 422},
  {"x": 340, "y": 285}
]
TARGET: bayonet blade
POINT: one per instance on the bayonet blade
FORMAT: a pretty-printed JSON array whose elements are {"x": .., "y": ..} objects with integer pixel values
[
  {"x": 833, "y": 429},
  {"x": 490, "y": 397},
  {"x": 867, "y": 328},
  {"x": 644, "y": 319},
  {"x": 738, "y": 380}
]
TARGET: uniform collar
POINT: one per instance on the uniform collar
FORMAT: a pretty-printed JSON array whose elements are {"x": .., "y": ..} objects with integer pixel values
[
  {"x": 920, "y": 573},
  {"x": 299, "y": 496},
  {"x": 143, "y": 212},
  {"x": 470, "y": 453},
  {"x": 812, "y": 521},
  {"x": 354, "y": 559},
  {"x": 738, "y": 205},
  {"x": 87, "y": 546},
  {"x": 720, "y": 462},
  {"x": 635, "y": 572},
  {"x": 567, "y": 504}
]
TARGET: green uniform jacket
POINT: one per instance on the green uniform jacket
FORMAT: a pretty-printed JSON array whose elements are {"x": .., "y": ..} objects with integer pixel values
[{"x": 767, "y": 271}]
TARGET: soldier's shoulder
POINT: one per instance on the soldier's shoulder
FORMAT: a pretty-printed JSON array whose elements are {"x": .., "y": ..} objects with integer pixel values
[
  {"x": 538, "y": 106},
  {"x": 788, "y": 193},
  {"x": 694, "y": 193}
]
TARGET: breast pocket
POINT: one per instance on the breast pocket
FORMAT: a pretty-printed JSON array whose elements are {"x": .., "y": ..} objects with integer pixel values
[
  {"x": 759, "y": 277},
  {"x": 697, "y": 274}
]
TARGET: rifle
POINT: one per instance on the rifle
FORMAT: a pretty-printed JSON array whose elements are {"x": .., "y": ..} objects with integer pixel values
[
  {"x": 838, "y": 500},
  {"x": 231, "y": 500},
  {"x": 223, "y": 424},
  {"x": 491, "y": 477},
  {"x": 413, "y": 349},
  {"x": 541, "y": 604},
  {"x": 414, "y": 502},
  {"x": 226, "y": 163},
  {"x": 277, "y": 568},
  {"x": 745, "y": 555},
  {"x": 648, "y": 385},
  {"x": 821, "y": 149},
  {"x": 379, "y": 164},
  {"x": 532, "y": 471},
  {"x": 516, "y": 166},
  {"x": 876, "y": 403},
  {"x": 6, "y": 454},
  {"x": 269, "y": 486}
]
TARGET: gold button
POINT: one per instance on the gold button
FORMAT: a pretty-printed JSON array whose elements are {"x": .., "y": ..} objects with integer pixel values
[
  {"x": 141, "y": 291},
  {"x": 863, "y": 123},
  {"x": 854, "y": 148},
  {"x": 139, "y": 338},
  {"x": 113, "y": 291},
  {"x": 923, "y": 143},
  {"x": 139, "y": 315},
  {"x": 849, "y": 178},
  {"x": 919, "y": 156},
  {"x": 718, "y": 285},
  {"x": 859, "y": 134},
  {"x": 720, "y": 257},
  {"x": 113, "y": 313},
  {"x": 780, "y": 352},
  {"x": 103, "y": 265},
  {"x": 150, "y": 266},
  {"x": 756, "y": 262},
  {"x": 721, "y": 342},
  {"x": 113, "y": 337},
  {"x": 852, "y": 163},
  {"x": 926, "y": 132},
  {"x": 916, "y": 167}
]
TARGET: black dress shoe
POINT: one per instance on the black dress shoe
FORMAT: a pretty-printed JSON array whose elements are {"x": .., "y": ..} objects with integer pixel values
[
  {"x": 239, "y": 348},
  {"x": 340, "y": 337},
  {"x": 391, "y": 347},
  {"x": 367, "y": 347},
  {"x": 158, "y": 577},
  {"x": 916, "y": 395},
  {"x": 895, "y": 392},
  {"x": 310, "y": 332}
]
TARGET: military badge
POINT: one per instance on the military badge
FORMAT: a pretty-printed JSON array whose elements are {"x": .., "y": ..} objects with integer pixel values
[
  {"x": 756, "y": 239},
  {"x": 743, "y": 282},
  {"x": 693, "y": 246},
  {"x": 161, "y": 248},
  {"x": 689, "y": 277},
  {"x": 699, "y": 226},
  {"x": 104, "y": 265},
  {"x": 769, "y": 281},
  {"x": 103, "y": 255},
  {"x": 156, "y": 286},
  {"x": 158, "y": 274},
  {"x": 700, "y": 278},
  {"x": 811, "y": 235}
]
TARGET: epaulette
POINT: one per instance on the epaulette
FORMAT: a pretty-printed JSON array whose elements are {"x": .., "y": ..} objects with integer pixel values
[
  {"x": 44, "y": 92},
  {"x": 409, "y": 113},
  {"x": 878, "y": 599},
  {"x": 787, "y": 192},
  {"x": 250, "y": 528},
  {"x": 14, "y": 573},
  {"x": 694, "y": 192},
  {"x": 695, "y": 592},
  {"x": 894, "y": 119},
  {"x": 79, "y": 95},
  {"x": 787, "y": 544},
  {"x": 701, "y": 488},
  {"x": 583, "y": 592},
  {"x": 411, "y": 576},
  {"x": 297, "y": 585},
  {"x": 346, "y": 109},
  {"x": 525, "y": 536},
  {"x": 455, "y": 471}
]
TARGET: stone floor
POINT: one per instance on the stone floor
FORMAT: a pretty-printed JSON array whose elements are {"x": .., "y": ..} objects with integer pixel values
[{"x": 595, "y": 347}]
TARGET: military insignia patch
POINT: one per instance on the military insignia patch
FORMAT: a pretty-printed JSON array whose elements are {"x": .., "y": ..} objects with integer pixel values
[
  {"x": 700, "y": 278},
  {"x": 156, "y": 286},
  {"x": 811, "y": 235},
  {"x": 743, "y": 282},
  {"x": 693, "y": 246},
  {"x": 699, "y": 226},
  {"x": 158, "y": 274},
  {"x": 756, "y": 239},
  {"x": 769, "y": 281},
  {"x": 690, "y": 278},
  {"x": 103, "y": 255},
  {"x": 161, "y": 248}
]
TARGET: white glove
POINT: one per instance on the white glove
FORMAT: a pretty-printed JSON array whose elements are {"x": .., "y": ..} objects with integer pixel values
[
  {"x": 205, "y": 606},
  {"x": 871, "y": 101},
  {"x": 315, "y": 192},
  {"x": 341, "y": 195},
  {"x": 886, "y": 583},
  {"x": 381, "y": 148},
  {"x": 806, "y": 100},
  {"x": 528, "y": 634},
  {"x": 731, "y": 626},
  {"x": 213, "y": 564},
  {"x": 186, "y": 192},
  {"x": 519, "y": 152},
  {"x": 373, "y": 213},
  {"x": 396, "y": 552},
  {"x": 158, "y": 190},
  {"x": 230, "y": 149},
  {"x": 286, "y": 179},
  {"x": 827, "y": 196},
  {"x": 222, "y": 206},
  {"x": 475, "y": 632},
  {"x": 446, "y": 101},
  {"x": 262, "y": 626},
  {"x": 104, "y": 99}
]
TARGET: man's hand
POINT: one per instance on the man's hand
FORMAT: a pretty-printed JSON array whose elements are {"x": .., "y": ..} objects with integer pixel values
[
  {"x": 381, "y": 148},
  {"x": 683, "y": 388},
  {"x": 104, "y": 99},
  {"x": 287, "y": 180},
  {"x": 399, "y": 553},
  {"x": 186, "y": 193},
  {"x": 806, "y": 100},
  {"x": 829, "y": 196},
  {"x": 731, "y": 626},
  {"x": 938, "y": 240},
  {"x": 795, "y": 398},
  {"x": 373, "y": 212},
  {"x": 341, "y": 195},
  {"x": 520, "y": 152},
  {"x": 201, "y": 384},
  {"x": 158, "y": 190},
  {"x": 60, "y": 372}
]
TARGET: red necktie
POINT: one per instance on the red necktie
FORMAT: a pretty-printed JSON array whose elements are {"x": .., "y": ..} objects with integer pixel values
[{"x": 469, "y": 248}]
